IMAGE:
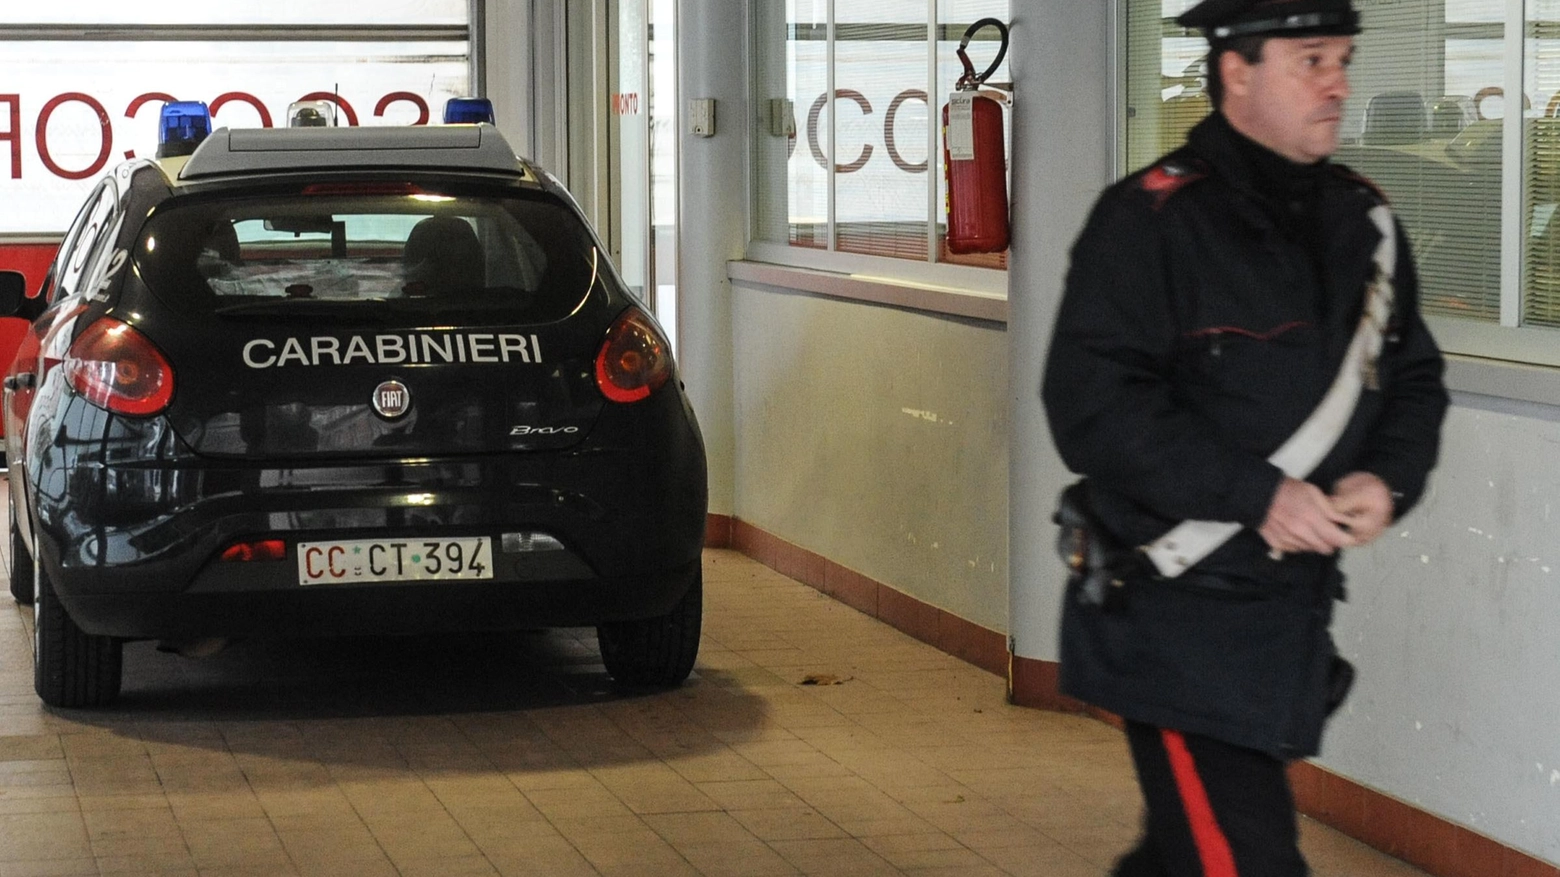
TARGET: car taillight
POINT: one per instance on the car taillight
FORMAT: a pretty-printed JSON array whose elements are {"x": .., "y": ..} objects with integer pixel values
[
  {"x": 634, "y": 360},
  {"x": 115, "y": 367},
  {"x": 264, "y": 549}
]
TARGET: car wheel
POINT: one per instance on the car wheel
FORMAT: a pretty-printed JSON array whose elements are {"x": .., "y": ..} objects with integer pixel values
[
  {"x": 656, "y": 651},
  {"x": 71, "y": 668},
  {"x": 21, "y": 568}
]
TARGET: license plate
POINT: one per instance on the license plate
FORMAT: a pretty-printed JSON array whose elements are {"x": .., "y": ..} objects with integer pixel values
[{"x": 394, "y": 560}]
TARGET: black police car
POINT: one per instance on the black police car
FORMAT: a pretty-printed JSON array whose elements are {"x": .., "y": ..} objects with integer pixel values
[{"x": 317, "y": 381}]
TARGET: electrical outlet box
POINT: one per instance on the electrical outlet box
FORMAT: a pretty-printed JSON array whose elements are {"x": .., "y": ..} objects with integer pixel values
[{"x": 701, "y": 116}]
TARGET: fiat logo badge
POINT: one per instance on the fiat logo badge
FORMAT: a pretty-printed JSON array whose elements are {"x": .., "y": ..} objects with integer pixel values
[{"x": 392, "y": 399}]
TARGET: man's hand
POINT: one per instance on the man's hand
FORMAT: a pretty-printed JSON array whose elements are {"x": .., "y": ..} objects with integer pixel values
[
  {"x": 1366, "y": 502},
  {"x": 1302, "y": 518}
]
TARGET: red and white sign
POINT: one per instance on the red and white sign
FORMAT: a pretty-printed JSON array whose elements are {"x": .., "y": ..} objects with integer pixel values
[{"x": 70, "y": 111}]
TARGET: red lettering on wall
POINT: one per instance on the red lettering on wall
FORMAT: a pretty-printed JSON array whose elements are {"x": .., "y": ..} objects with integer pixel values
[
  {"x": 14, "y": 133},
  {"x": 625, "y": 104},
  {"x": 245, "y": 97},
  {"x": 812, "y": 130},
  {"x": 346, "y": 108},
  {"x": 407, "y": 96},
  {"x": 888, "y": 130},
  {"x": 142, "y": 100},
  {"x": 106, "y": 133}
]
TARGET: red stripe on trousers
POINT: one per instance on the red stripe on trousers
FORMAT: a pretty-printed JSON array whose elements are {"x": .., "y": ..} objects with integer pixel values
[{"x": 1213, "y": 848}]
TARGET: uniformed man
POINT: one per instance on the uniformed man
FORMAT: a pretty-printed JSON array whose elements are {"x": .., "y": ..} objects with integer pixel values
[{"x": 1219, "y": 304}]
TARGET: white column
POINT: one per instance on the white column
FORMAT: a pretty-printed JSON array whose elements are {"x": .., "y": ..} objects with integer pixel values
[
  {"x": 1064, "y": 121},
  {"x": 712, "y": 210}
]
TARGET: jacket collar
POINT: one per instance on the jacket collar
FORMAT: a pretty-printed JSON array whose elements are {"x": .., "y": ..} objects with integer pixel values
[{"x": 1252, "y": 167}]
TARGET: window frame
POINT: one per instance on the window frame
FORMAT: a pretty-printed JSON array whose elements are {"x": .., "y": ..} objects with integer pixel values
[{"x": 925, "y": 274}]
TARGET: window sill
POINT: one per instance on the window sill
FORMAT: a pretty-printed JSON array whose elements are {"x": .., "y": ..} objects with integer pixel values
[
  {"x": 1503, "y": 379},
  {"x": 926, "y": 298}
]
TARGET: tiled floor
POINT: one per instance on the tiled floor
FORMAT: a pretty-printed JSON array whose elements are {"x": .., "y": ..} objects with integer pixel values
[{"x": 512, "y": 755}]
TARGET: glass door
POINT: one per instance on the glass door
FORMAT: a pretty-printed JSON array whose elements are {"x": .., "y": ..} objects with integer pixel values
[
  {"x": 662, "y": 105},
  {"x": 623, "y": 139}
]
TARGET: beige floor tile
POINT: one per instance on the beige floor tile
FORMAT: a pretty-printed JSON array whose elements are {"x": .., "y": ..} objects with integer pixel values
[
  {"x": 57, "y": 803},
  {"x": 541, "y": 855},
  {"x": 103, "y": 825},
  {"x": 749, "y": 859},
  {"x": 31, "y": 773},
  {"x": 251, "y": 869},
  {"x": 629, "y": 853},
  {"x": 30, "y": 747},
  {"x": 50, "y": 868},
  {"x": 206, "y": 806},
  {"x": 1046, "y": 860},
  {"x": 464, "y": 866},
  {"x": 26, "y": 836},
  {"x": 406, "y": 839},
  {"x": 833, "y": 857},
  {"x": 380, "y": 868},
  {"x": 696, "y": 829},
  {"x": 788, "y": 823},
  {"x": 233, "y": 843},
  {"x": 90, "y": 803},
  {"x": 155, "y": 847},
  {"x": 667, "y": 793},
  {"x": 750, "y": 794}
]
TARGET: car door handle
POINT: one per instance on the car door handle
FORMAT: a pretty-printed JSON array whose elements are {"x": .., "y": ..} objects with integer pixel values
[{"x": 21, "y": 381}]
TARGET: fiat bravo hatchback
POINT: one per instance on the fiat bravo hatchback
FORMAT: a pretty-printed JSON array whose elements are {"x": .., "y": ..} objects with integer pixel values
[{"x": 323, "y": 381}]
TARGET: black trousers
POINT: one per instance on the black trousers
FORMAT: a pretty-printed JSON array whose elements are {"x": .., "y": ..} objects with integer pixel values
[{"x": 1214, "y": 810}]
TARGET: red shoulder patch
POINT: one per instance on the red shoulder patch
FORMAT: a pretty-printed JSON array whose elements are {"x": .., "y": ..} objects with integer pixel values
[{"x": 1167, "y": 178}]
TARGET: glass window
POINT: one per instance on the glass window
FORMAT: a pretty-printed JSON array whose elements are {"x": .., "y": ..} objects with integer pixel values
[
  {"x": 1541, "y": 166},
  {"x": 395, "y": 64},
  {"x": 1427, "y": 121},
  {"x": 526, "y": 257},
  {"x": 853, "y": 174},
  {"x": 180, "y": 12}
]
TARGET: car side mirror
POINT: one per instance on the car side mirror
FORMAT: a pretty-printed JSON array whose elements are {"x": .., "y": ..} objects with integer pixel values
[{"x": 13, "y": 292}]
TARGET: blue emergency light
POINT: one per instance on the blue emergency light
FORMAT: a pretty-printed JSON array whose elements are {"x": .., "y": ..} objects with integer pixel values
[
  {"x": 468, "y": 111},
  {"x": 182, "y": 126}
]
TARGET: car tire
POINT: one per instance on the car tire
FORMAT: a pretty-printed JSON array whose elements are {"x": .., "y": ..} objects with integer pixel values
[
  {"x": 21, "y": 567},
  {"x": 71, "y": 668},
  {"x": 655, "y": 652}
]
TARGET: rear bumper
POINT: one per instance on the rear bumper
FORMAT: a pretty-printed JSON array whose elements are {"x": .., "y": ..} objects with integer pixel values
[
  {"x": 422, "y": 607},
  {"x": 131, "y": 526}
]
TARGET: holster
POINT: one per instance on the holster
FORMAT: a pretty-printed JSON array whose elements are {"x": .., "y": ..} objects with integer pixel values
[
  {"x": 1340, "y": 679},
  {"x": 1099, "y": 566}
]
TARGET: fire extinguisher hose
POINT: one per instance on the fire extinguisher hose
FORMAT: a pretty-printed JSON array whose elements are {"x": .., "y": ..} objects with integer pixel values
[{"x": 970, "y": 81}]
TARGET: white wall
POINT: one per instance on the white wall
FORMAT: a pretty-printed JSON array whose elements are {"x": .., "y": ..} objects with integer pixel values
[
  {"x": 1452, "y": 619},
  {"x": 877, "y": 438}
]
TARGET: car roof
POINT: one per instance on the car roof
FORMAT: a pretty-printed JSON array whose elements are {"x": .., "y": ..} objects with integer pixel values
[{"x": 234, "y": 152}]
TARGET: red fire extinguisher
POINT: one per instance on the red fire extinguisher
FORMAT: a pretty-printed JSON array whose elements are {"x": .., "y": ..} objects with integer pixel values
[{"x": 974, "y": 157}]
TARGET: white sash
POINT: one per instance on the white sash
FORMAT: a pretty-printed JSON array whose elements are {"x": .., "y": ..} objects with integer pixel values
[{"x": 1191, "y": 541}]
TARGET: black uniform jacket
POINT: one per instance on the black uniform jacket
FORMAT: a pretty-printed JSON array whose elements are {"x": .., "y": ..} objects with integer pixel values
[{"x": 1196, "y": 333}]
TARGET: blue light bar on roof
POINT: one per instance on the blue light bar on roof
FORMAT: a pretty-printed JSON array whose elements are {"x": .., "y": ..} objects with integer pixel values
[
  {"x": 468, "y": 111},
  {"x": 182, "y": 126}
]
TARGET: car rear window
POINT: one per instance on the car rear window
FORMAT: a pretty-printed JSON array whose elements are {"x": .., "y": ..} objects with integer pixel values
[{"x": 514, "y": 257}]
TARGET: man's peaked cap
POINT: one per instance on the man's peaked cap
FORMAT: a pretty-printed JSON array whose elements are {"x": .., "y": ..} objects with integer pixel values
[{"x": 1228, "y": 19}]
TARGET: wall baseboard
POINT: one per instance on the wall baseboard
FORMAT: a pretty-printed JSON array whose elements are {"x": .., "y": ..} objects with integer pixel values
[{"x": 1424, "y": 840}]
